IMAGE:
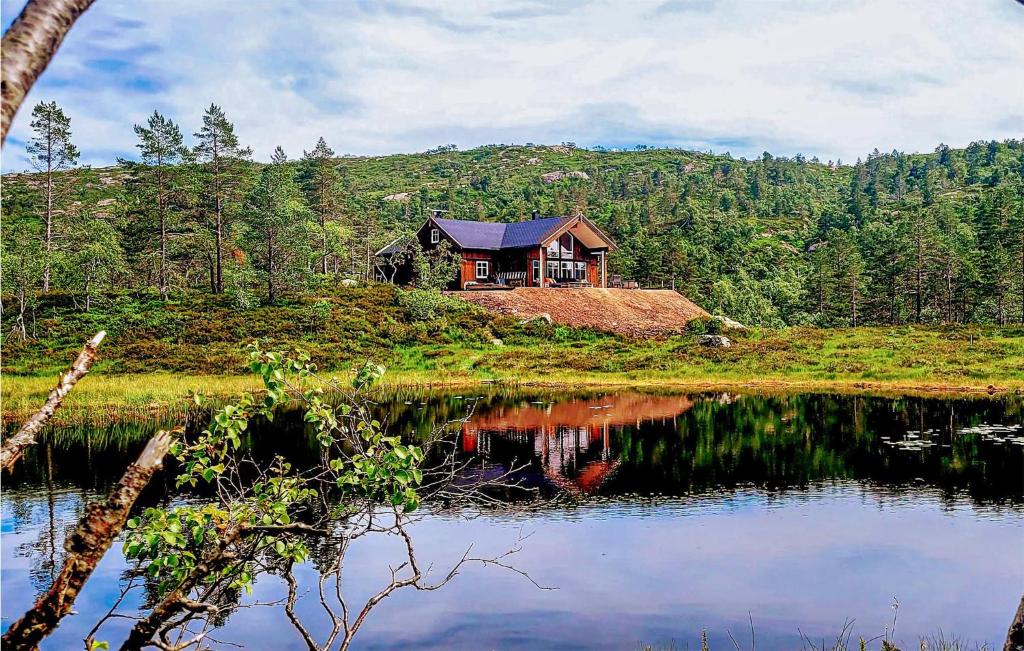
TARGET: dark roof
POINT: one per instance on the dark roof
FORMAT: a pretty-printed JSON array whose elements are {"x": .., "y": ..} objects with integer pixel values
[
  {"x": 493, "y": 236},
  {"x": 394, "y": 247}
]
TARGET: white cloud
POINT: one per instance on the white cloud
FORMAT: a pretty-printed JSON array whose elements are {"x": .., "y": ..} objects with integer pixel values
[{"x": 832, "y": 79}]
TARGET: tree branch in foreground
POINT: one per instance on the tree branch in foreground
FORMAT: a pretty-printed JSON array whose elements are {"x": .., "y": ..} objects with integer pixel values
[
  {"x": 14, "y": 446},
  {"x": 86, "y": 547},
  {"x": 29, "y": 44},
  {"x": 1015, "y": 636}
]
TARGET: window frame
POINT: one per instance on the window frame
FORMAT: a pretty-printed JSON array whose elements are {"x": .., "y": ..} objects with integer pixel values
[
  {"x": 537, "y": 280},
  {"x": 435, "y": 235},
  {"x": 486, "y": 267},
  {"x": 580, "y": 271}
]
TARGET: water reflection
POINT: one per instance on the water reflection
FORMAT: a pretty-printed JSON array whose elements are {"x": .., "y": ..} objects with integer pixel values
[{"x": 683, "y": 512}]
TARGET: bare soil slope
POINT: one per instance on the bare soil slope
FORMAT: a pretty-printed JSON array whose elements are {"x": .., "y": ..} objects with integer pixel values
[{"x": 633, "y": 312}]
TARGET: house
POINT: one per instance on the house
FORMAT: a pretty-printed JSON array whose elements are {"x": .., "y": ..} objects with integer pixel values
[{"x": 572, "y": 251}]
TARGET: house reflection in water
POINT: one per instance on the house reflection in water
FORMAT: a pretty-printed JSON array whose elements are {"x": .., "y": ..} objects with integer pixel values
[{"x": 569, "y": 442}]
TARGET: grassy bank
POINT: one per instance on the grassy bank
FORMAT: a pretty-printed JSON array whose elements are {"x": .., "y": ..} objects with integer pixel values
[{"x": 157, "y": 354}]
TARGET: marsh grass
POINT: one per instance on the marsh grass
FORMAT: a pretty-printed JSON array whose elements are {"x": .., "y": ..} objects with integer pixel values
[{"x": 157, "y": 354}]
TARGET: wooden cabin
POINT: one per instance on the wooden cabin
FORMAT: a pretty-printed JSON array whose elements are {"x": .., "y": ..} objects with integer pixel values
[{"x": 571, "y": 251}]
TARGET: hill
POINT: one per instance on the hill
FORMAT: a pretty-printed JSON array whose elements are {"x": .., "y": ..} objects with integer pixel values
[{"x": 895, "y": 238}]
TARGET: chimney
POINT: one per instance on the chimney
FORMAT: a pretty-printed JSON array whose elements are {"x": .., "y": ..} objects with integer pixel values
[{"x": 536, "y": 215}]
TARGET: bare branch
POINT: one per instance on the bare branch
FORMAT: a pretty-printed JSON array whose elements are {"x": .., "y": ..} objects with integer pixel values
[
  {"x": 14, "y": 446},
  {"x": 29, "y": 44},
  {"x": 86, "y": 547}
]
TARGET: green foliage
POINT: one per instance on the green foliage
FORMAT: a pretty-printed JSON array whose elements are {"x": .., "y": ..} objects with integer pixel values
[
  {"x": 276, "y": 234},
  {"x": 421, "y": 304},
  {"x": 894, "y": 238},
  {"x": 360, "y": 460},
  {"x": 436, "y": 268},
  {"x": 705, "y": 326}
]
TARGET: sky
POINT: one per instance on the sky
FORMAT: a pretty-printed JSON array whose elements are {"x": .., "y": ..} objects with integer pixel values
[{"x": 828, "y": 78}]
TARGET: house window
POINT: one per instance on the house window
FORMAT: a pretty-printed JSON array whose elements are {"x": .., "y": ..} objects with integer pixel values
[
  {"x": 566, "y": 242},
  {"x": 561, "y": 248},
  {"x": 435, "y": 236},
  {"x": 536, "y": 272},
  {"x": 566, "y": 270},
  {"x": 552, "y": 269},
  {"x": 581, "y": 271},
  {"x": 483, "y": 269}
]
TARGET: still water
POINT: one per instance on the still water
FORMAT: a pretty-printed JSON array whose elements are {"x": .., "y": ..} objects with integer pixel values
[{"x": 657, "y": 516}]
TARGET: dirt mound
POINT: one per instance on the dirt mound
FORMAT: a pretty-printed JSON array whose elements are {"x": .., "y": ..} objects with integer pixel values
[{"x": 634, "y": 312}]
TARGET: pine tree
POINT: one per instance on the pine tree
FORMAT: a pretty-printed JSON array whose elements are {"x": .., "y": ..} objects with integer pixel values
[
  {"x": 223, "y": 159},
  {"x": 50, "y": 151},
  {"x": 275, "y": 221},
  {"x": 161, "y": 147},
  {"x": 320, "y": 180}
]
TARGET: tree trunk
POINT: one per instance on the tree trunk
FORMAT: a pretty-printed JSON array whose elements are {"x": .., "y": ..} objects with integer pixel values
[
  {"x": 270, "y": 266},
  {"x": 28, "y": 45},
  {"x": 161, "y": 207},
  {"x": 48, "y": 235},
  {"x": 86, "y": 547},
  {"x": 219, "y": 216}
]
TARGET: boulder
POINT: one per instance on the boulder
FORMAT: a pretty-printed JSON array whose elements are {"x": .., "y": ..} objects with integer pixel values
[
  {"x": 543, "y": 316},
  {"x": 714, "y": 341},
  {"x": 730, "y": 324},
  {"x": 553, "y": 177},
  {"x": 497, "y": 342},
  {"x": 348, "y": 282}
]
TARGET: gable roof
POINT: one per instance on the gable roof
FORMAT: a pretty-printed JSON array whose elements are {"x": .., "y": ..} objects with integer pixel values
[{"x": 494, "y": 236}]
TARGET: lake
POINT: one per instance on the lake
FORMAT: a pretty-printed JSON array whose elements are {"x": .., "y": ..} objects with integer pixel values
[{"x": 655, "y": 515}]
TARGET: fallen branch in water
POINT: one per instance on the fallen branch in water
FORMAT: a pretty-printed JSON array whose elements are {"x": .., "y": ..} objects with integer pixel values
[
  {"x": 14, "y": 446},
  {"x": 86, "y": 547}
]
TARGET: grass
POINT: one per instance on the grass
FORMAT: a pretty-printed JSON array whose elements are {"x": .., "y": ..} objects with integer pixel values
[{"x": 156, "y": 355}]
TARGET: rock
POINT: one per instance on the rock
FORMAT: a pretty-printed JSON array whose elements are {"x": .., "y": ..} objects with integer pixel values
[
  {"x": 714, "y": 341},
  {"x": 533, "y": 161},
  {"x": 730, "y": 324},
  {"x": 398, "y": 196},
  {"x": 497, "y": 342},
  {"x": 543, "y": 316},
  {"x": 553, "y": 177},
  {"x": 348, "y": 282}
]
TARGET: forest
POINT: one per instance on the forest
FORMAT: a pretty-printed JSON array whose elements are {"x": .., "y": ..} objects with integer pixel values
[{"x": 894, "y": 238}]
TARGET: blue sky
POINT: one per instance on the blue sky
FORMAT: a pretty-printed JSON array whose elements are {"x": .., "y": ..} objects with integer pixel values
[{"x": 826, "y": 78}]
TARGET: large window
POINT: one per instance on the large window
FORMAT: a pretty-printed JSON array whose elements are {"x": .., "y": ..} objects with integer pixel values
[
  {"x": 536, "y": 273},
  {"x": 483, "y": 269},
  {"x": 566, "y": 270},
  {"x": 552, "y": 269},
  {"x": 562, "y": 247},
  {"x": 435, "y": 236},
  {"x": 581, "y": 271}
]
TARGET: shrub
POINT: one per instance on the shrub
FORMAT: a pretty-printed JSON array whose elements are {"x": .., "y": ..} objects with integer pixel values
[
  {"x": 422, "y": 305},
  {"x": 705, "y": 326}
]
